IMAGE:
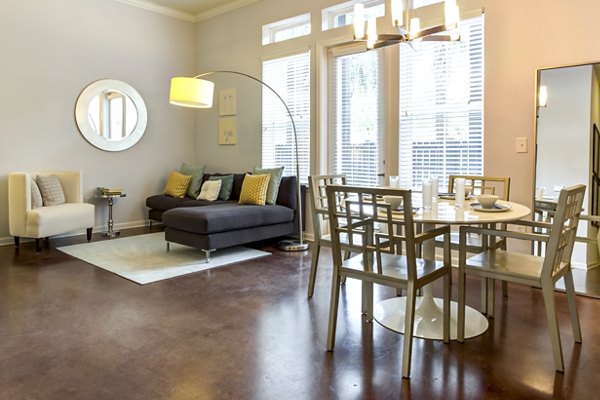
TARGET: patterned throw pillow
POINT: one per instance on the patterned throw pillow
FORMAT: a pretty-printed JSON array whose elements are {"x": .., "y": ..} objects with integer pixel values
[
  {"x": 177, "y": 185},
  {"x": 226, "y": 185},
  {"x": 197, "y": 172},
  {"x": 51, "y": 190},
  {"x": 274, "y": 182},
  {"x": 210, "y": 190},
  {"x": 254, "y": 189},
  {"x": 36, "y": 196}
]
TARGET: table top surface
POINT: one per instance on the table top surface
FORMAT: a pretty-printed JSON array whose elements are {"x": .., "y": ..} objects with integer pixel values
[{"x": 446, "y": 212}]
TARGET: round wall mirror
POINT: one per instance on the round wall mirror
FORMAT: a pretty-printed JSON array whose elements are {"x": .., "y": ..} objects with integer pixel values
[{"x": 111, "y": 115}]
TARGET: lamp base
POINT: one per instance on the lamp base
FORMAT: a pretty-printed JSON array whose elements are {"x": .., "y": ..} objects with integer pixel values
[{"x": 292, "y": 245}]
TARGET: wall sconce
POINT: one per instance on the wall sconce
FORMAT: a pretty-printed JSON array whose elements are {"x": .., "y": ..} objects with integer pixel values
[{"x": 543, "y": 96}]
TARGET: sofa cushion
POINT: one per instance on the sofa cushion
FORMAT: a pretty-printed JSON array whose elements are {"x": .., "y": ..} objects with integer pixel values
[
  {"x": 177, "y": 184},
  {"x": 163, "y": 203},
  {"x": 225, "y": 217},
  {"x": 254, "y": 189},
  {"x": 226, "y": 185},
  {"x": 274, "y": 182},
  {"x": 51, "y": 190},
  {"x": 210, "y": 190},
  {"x": 197, "y": 172}
]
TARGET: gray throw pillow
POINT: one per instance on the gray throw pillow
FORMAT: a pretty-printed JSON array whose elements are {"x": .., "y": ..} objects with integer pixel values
[
  {"x": 36, "y": 196},
  {"x": 226, "y": 185},
  {"x": 274, "y": 182},
  {"x": 51, "y": 190},
  {"x": 197, "y": 172}
]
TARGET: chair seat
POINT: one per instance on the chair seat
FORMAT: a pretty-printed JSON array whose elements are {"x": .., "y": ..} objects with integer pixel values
[
  {"x": 54, "y": 220},
  {"x": 394, "y": 267},
  {"x": 519, "y": 267}
]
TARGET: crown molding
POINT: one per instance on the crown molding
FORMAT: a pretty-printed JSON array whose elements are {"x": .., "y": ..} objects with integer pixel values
[
  {"x": 230, "y": 6},
  {"x": 147, "y": 5},
  {"x": 213, "y": 12}
]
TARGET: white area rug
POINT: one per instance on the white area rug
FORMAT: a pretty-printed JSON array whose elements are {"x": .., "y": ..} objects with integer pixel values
[{"x": 144, "y": 258}]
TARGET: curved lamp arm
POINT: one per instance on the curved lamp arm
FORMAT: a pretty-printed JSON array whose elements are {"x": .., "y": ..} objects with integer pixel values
[{"x": 198, "y": 93}]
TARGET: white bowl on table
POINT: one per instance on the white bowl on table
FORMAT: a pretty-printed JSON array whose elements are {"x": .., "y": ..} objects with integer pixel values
[
  {"x": 487, "y": 200},
  {"x": 395, "y": 202}
]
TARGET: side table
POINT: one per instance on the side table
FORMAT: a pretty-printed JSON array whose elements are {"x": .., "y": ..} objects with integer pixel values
[{"x": 110, "y": 195}]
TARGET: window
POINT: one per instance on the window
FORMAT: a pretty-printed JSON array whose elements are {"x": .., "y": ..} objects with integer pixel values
[
  {"x": 341, "y": 14},
  {"x": 286, "y": 29},
  {"x": 290, "y": 77},
  {"x": 441, "y": 107},
  {"x": 357, "y": 149}
]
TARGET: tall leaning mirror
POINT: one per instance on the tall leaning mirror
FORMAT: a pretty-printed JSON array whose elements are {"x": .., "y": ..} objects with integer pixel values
[
  {"x": 111, "y": 115},
  {"x": 568, "y": 146}
]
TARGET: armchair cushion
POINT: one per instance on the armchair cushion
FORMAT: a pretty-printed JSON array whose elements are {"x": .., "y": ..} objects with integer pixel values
[
  {"x": 51, "y": 190},
  {"x": 36, "y": 196}
]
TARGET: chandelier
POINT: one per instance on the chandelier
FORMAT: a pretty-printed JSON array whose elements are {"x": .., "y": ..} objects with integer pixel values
[{"x": 408, "y": 28}]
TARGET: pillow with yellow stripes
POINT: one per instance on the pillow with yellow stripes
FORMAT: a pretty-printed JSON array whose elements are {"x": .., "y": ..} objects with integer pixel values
[
  {"x": 177, "y": 185},
  {"x": 254, "y": 189}
]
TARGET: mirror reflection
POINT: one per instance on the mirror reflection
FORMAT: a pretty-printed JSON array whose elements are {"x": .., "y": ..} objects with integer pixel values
[
  {"x": 111, "y": 115},
  {"x": 568, "y": 145}
]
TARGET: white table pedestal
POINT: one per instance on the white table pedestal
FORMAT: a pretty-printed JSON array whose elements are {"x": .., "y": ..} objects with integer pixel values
[{"x": 428, "y": 318}]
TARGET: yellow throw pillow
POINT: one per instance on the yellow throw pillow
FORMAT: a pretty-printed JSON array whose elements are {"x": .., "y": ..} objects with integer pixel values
[
  {"x": 254, "y": 189},
  {"x": 177, "y": 185}
]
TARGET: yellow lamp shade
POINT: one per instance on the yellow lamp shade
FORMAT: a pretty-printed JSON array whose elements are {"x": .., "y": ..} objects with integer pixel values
[{"x": 191, "y": 92}]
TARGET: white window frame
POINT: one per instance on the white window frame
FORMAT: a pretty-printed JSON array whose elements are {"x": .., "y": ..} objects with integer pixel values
[
  {"x": 458, "y": 130},
  {"x": 301, "y": 112},
  {"x": 332, "y": 167},
  {"x": 297, "y": 26},
  {"x": 373, "y": 9}
]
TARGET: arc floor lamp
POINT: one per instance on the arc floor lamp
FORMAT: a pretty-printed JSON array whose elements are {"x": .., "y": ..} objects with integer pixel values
[{"x": 198, "y": 93}]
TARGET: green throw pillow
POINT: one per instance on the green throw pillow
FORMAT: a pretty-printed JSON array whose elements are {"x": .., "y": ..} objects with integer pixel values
[
  {"x": 274, "y": 182},
  {"x": 226, "y": 185},
  {"x": 197, "y": 172}
]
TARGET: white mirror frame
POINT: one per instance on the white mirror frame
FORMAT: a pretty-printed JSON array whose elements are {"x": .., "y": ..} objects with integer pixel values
[{"x": 81, "y": 114}]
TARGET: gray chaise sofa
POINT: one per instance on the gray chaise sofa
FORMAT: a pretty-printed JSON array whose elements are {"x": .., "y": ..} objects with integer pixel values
[{"x": 224, "y": 223}]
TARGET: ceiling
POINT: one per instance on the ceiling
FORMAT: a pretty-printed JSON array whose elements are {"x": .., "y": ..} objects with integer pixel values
[{"x": 190, "y": 10}]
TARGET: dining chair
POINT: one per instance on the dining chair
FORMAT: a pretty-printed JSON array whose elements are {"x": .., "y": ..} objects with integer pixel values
[
  {"x": 320, "y": 218},
  {"x": 528, "y": 269},
  {"x": 482, "y": 184},
  {"x": 382, "y": 233}
]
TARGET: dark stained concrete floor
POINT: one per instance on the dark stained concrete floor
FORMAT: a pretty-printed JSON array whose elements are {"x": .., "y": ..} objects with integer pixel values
[{"x": 69, "y": 330}]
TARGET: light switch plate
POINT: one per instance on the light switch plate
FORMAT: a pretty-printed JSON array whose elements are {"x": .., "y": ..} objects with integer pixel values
[{"x": 521, "y": 145}]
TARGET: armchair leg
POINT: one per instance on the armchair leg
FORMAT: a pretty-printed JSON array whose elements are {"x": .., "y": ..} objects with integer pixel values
[
  {"x": 89, "y": 234},
  {"x": 38, "y": 245},
  {"x": 17, "y": 241}
]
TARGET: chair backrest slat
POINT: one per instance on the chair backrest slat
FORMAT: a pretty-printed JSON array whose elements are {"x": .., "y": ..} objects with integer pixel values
[
  {"x": 480, "y": 184},
  {"x": 563, "y": 231},
  {"x": 365, "y": 215}
]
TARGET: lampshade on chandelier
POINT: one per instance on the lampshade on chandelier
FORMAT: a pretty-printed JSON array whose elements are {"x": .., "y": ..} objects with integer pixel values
[{"x": 409, "y": 28}]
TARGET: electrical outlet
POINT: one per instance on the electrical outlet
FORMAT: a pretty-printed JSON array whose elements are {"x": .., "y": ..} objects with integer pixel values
[{"x": 521, "y": 145}]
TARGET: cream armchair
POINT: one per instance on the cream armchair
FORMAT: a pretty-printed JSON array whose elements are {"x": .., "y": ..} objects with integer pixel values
[{"x": 43, "y": 222}]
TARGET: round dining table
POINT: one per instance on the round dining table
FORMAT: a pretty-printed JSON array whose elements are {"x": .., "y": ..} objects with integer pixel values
[{"x": 428, "y": 314}]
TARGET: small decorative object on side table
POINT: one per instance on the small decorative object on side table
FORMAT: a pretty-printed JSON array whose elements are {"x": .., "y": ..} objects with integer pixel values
[{"x": 110, "y": 194}]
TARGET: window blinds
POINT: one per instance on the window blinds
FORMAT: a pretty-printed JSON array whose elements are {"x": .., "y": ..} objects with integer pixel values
[
  {"x": 441, "y": 107},
  {"x": 357, "y": 148},
  {"x": 290, "y": 77}
]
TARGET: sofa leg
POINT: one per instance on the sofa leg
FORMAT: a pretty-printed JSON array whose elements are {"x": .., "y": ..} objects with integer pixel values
[
  {"x": 168, "y": 246},
  {"x": 88, "y": 232},
  {"x": 17, "y": 241},
  {"x": 38, "y": 245},
  {"x": 207, "y": 254},
  {"x": 150, "y": 224},
  {"x": 47, "y": 242}
]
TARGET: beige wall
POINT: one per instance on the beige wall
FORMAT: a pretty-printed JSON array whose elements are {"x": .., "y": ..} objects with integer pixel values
[
  {"x": 50, "y": 51},
  {"x": 520, "y": 36}
]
